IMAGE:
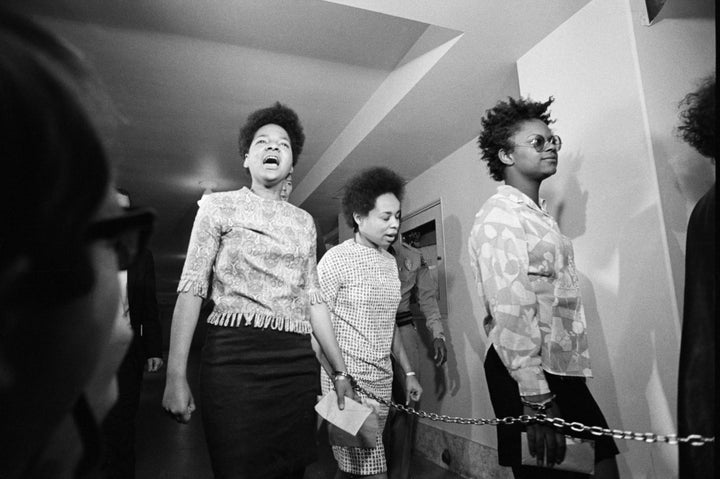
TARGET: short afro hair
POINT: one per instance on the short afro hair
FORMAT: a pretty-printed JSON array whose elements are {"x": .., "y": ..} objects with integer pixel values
[
  {"x": 277, "y": 114},
  {"x": 363, "y": 189},
  {"x": 503, "y": 121},
  {"x": 697, "y": 120}
]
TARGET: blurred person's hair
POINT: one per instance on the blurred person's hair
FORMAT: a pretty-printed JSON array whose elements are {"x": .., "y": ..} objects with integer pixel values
[
  {"x": 697, "y": 118},
  {"x": 53, "y": 162},
  {"x": 56, "y": 177}
]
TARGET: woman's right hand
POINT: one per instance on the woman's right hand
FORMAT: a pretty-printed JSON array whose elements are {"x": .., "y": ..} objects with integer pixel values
[
  {"x": 344, "y": 389},
  {"x": 178, "y": 399},
  {"x": 545, "y": 443}
]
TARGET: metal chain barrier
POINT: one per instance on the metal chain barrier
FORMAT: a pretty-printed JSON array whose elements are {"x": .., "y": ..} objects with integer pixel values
[{"x": 649, "y": 437}]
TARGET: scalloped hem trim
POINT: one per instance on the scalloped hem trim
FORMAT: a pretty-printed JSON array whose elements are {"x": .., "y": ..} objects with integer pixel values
[{"x": 261, "y": 321}]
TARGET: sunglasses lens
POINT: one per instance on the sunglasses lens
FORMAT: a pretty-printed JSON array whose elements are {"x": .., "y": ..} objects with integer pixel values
[
  {"x": 127, "y": 235},
  {"x": 538, "y": 142},
  {"x": 557, "y": 142}
]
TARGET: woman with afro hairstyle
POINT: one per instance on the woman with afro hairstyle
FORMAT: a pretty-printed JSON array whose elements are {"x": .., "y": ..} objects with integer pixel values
[
  {"x": 360, "y": 283},
  {"x": 259, "y": 372},
  {"x": 696, "y": 375},
  {"x": 538, "y": 357}
]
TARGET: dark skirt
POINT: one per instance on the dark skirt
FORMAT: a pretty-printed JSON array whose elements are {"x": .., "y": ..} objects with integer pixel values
[
  {"x": 572, "y": 397},
  {"x": 258, "y": 390}
]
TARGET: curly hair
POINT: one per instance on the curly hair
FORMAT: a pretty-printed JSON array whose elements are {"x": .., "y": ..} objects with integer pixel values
[
  {"x": 697, "y": 120},
  {"x": 277, "y": 114},
  {"x": 503, "y": 121},
  {"x": 363, "y": 189}
]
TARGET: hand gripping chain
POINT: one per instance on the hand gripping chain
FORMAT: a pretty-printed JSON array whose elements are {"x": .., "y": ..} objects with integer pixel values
[{"x": 648, "y": 437}]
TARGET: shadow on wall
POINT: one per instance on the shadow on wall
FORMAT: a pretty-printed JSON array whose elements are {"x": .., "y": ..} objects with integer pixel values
[
  {"x": 650, "y": 344},
  {"x": 603, "y": 378},
  {"x": 684, "y": 9},
  {"x": 567, "y": 202},
  {"x": 644, "y": 326},
  {"x": 455, "y": 242}
]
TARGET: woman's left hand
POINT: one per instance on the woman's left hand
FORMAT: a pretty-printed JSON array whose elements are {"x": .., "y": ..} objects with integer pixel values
[{"x": 413, "y": 390}]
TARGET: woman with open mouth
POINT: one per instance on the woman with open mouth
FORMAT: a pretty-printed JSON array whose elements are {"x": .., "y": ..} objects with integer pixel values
[{"x": 259, "y": 372}]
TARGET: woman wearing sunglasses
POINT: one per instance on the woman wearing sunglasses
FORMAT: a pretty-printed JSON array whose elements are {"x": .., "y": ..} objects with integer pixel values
[
  {"x": 259, "y": 373},
  {"x": 63, "y": 239},
  {"x": 538, "y": 357}
]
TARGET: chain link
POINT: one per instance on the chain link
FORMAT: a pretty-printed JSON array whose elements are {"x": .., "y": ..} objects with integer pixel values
[{"x": 648, "y": 437}]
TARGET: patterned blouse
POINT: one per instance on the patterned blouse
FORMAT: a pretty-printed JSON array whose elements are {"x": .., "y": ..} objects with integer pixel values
[
  {"x": 362, "y": 291},
  {"x": 261, "y": 256},
  {"x": 525, "y": 273}
]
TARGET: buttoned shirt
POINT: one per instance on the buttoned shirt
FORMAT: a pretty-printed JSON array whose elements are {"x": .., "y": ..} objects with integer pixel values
[
  {"x": 526, "y": 278},
  {"x": 417, "y": 282}
]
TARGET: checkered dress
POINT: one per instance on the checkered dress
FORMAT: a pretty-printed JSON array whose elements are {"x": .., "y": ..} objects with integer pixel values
[{"x": 362, "y": 291}]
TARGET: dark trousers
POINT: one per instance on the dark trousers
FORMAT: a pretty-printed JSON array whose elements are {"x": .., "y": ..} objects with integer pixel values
[
  {"x": 399, "y": 433},
  {"x": 119, "y": 426}
]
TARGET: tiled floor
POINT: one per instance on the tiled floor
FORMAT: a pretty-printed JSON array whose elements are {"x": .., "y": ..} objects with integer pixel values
[{"x": 168, "y": 450}]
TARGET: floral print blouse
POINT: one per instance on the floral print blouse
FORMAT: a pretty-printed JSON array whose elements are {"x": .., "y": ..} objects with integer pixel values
[
  {"x": 526, "y": 278},
  {"x": 260, "y": 255}
]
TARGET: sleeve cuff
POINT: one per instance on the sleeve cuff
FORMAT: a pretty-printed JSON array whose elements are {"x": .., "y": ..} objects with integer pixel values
[
  {"x": 531, "y": 381},
  {"x": 192, "y": 286}
]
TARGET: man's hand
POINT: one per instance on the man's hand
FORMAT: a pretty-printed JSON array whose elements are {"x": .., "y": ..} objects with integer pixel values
[
  {"x": 440, "y": 352},
  {"x": 154, "y": 364},
  {"x": 414, "y": 390}
]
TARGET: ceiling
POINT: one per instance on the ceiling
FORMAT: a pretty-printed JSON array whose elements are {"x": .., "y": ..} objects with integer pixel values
[{"x": 400, "y": 83}]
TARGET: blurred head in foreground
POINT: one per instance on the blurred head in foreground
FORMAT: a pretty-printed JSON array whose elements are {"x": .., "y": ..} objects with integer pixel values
[{"x": 63, "y": 239}]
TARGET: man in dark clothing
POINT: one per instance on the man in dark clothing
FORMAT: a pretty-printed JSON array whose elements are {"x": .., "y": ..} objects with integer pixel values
[
  {"x": 417, "y": 284},
  {"x": 139, "y": 307}
]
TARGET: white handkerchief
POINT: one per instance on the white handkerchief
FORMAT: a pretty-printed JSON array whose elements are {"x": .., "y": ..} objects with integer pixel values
[{"x": 349, "y": 419}]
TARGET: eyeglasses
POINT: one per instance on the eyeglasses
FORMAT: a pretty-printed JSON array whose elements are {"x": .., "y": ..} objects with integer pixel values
[
  {"x": 539, "y": 142},
  {"x": 128, "y": 233}
]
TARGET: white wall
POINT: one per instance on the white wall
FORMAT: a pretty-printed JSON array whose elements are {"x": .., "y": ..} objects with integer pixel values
[
  {"x": 623, "y": 193},
  {"x": 673, "y": 54},
  {"x": 617, "y": 84},
  {"x": 608, "y": 198}
]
